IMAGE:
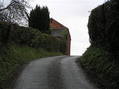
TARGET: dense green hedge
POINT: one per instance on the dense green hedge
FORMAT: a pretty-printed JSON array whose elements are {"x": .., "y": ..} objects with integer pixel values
[
  {"x": 101, "y": 60},
  {"x": 31, "y": 37},
  {"x": 103, "y": 26},
  {"x": 34, "y": 38},
  {"x": 102, "y": 67}
]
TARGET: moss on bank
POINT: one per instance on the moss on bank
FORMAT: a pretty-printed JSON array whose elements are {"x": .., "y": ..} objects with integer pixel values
[{"x": 102, "y": 67}]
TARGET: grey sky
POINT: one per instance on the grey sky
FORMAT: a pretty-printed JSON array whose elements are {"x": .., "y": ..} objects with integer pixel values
[
  {"x": 69, "y": 7},
  {"x": 73, "y": 14}
]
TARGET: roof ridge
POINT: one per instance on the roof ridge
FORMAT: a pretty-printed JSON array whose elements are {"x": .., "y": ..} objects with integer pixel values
[{"x": 58, "y": 23}]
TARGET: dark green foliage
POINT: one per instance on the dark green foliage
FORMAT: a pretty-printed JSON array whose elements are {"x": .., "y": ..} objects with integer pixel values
[
  {"x": 103, "y": 26},
  {"x": 63, "y": 46},
  {"x": 24, "y": 35},
  {"x": 96, "y": 26},
  {"x": 47, "y": 42},
  {"x": 101, "y": 60},
  {"x": 102, "y": 67},
  {"x": 39, "y": 19},
  {"x": 4, "y": 33},
  {"x": 36, "y": 39}
]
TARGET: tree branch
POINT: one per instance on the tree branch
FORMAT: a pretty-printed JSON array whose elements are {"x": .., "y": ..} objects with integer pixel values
[{"x": 5, "y": 7}]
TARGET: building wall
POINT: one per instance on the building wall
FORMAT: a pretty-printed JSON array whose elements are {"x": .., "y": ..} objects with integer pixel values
[
  {"x": 60, "y": 31},
  {"x": 64, "y": 33},
  {"x": 68, "y": 43},
  {"x": 57, "y": 32}
]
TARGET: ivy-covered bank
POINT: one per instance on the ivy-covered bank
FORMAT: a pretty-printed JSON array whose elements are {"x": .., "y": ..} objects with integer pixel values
[
  {"x": 19, "y": 45},
  {"x": 101, "y": 60}
]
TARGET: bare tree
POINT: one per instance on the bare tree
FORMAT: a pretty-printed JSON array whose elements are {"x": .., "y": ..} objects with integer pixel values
[{"x": 14, "y": 12}]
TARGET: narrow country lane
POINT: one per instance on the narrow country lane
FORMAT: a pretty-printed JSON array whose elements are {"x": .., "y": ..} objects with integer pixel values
[{"x": 60, "y": 72}]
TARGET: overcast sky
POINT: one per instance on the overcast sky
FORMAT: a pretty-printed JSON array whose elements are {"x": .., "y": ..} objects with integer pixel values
[{"x": 74, "y": 15}]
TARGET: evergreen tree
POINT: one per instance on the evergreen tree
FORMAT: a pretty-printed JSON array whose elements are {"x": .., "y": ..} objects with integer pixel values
[{"x": 39, "y": 19}]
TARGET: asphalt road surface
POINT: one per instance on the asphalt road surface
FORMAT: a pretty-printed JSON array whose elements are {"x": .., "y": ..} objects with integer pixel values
[{"x": 60, "y": 72}]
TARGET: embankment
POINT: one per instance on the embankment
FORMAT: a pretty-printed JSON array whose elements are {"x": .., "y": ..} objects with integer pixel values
[
  {"x": 101, "y": 60},
  {"x": 19, "y": 45}
]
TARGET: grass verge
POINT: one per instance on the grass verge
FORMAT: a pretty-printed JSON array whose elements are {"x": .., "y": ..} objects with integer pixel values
[{"x": 14, "y": 56}]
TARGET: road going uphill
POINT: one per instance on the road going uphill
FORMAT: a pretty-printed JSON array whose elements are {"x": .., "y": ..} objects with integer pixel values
[{"x": 60, "y": 72}]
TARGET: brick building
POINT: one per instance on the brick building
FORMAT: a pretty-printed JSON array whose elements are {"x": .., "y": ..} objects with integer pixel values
[{"x": 60, "y": 31}]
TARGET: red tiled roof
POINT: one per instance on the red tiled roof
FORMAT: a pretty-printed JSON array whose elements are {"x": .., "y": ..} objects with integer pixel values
[{"x": 56, "y": 25}]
